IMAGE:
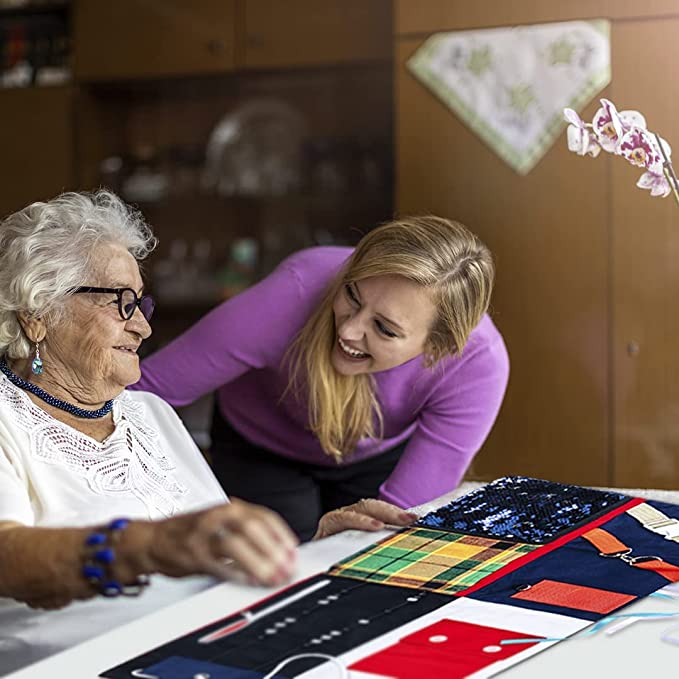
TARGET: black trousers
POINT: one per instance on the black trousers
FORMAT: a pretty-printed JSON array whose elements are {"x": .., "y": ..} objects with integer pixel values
[{"x": 300, "y": 492}]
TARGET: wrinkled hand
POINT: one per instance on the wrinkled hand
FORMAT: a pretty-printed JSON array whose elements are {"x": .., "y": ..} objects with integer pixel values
[
  {"x": 255, "y": 538},
  {"x": 369, "y": 515}
]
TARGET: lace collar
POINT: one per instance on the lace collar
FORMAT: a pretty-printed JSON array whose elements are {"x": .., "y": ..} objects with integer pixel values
[{"x": 129, "y": 460}]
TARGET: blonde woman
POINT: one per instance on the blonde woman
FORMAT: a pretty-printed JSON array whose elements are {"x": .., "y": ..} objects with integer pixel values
[{"x": 371, "y": 372}]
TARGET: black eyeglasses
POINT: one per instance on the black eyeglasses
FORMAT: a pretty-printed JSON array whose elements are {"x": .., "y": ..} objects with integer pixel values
[{"x": 128, "y": 301}]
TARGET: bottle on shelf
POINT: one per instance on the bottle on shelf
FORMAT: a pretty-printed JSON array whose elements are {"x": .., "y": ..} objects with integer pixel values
[{"x": 241, "y": 268}]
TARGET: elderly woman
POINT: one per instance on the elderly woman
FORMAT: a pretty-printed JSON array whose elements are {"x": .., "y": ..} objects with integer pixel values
[{"x": 100, "y": 487}]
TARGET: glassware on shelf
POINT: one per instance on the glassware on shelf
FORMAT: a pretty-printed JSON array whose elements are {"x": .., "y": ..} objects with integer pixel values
[
  {"x": 110, "y": 173},
  {"x": 170, "y": 278},
  {"x": 327, "y": 166},
  {"x": 146, "y": 182},
  {"x": 256, "y": 150},
  {"x": 241, "y": 268}
]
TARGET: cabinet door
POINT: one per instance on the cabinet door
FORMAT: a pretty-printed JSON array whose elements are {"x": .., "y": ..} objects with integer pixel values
[
  {"x": 429, "y": 16},
  {"x": 37, "y": 145},
  {"x": 646, "y": 268},
  {"x": 309, "y": 32},
  {"x": 146, "y": 38},
  {"x": 550, "y": 235}
]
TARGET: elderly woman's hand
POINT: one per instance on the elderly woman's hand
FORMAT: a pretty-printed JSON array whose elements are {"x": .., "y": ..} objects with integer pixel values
[
  {"x": 370, "y": 515},
  {"x": 255, "y": 538}
]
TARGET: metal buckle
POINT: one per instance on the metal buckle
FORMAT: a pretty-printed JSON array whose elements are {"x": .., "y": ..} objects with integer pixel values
[
  {"x": 632, "y": 560},
  {"x": 617, "y": 555}
]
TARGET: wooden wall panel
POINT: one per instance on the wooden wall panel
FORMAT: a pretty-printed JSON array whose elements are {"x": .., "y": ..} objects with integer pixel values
[
  {"x": 429, "y": 16},
  {"x": 37, "y": 145},
  {"x": 646, "y": 268},
  {"x": 549, "y": 232}
]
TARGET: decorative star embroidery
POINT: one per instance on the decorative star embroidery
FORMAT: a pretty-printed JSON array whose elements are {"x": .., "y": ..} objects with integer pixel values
[
  {"x": 521, "y": 98},
  {"x": 480, "y": 60},
  {"x": 561, "y": 52}
]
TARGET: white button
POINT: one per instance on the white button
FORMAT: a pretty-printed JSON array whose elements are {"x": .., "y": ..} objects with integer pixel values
[
  {"x": 438, "y": 638},
  {"x": 492, "y": 649}
]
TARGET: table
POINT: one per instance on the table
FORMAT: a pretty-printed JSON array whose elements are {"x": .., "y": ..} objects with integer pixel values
[{"x": 633, "y": 652}]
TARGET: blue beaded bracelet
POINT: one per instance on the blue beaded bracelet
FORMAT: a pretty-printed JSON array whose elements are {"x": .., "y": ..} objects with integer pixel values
[{"x": 100, "y": 555}]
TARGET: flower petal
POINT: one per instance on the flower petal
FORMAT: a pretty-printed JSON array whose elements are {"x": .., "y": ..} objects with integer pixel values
[
  {"x": 578, "y": 139},
  {"x": 572, "y": 117},
  {"x": 640, "y": 148},
  {"x": 632, "y": 119},
  {"x": 608, "y": 126}
]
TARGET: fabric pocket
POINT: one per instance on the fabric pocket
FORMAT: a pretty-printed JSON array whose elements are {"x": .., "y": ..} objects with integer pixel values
[{"x": 578, "y": 597}]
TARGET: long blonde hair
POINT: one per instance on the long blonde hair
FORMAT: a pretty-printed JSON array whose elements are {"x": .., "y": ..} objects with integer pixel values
[{"x": 436, "y": 253}]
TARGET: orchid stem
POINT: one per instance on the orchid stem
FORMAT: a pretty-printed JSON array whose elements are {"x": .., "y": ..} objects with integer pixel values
[
  {"x": 672, "y": 182},
  {"x": 668, "y": 170}
]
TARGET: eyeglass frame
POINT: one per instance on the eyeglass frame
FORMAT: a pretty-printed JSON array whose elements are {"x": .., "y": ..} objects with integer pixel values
[{"x": 119, "y": 296}]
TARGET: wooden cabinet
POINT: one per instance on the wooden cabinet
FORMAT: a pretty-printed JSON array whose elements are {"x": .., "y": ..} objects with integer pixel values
[
  {"x": 310, "y": 32},
  {"x": 130, "y": 39},
  {"x": 150, "y": 38},
  {"x": 588, "y": 264},
  {"x": 36, "y": 139}
]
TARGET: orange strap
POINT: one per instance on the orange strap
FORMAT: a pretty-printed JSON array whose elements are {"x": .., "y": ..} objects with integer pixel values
[
  {"x": 605, "y": 542},
  {"x": 608, "y": 545},
  {"x": 667, "y": 570}
]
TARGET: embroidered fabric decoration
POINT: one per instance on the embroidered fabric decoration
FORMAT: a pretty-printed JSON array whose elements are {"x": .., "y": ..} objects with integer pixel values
[
  {"x": 524, "y": 509},
  {"x": 443, "y": 562},
  {"x": 511, "y": 84},
  {"x": 130, "y": 460}
]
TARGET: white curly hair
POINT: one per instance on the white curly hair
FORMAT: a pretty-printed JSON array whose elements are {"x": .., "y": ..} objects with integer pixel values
[{"x": 47, "y": 249}]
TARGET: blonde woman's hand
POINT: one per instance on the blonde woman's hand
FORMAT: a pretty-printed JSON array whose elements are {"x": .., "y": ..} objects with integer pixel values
[
  {"x": 257, "y": 540},
  {"x": 368, "y": 515}
]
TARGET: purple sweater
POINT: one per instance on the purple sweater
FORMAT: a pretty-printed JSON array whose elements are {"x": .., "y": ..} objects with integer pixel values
[{"x": 237, "y": 349}]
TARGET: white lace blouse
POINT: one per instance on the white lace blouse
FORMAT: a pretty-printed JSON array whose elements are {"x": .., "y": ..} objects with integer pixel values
[{"x": 52, "y": 475}]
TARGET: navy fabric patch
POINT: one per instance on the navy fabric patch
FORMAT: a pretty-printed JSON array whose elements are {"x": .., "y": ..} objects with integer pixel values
[
  {"x": 578, "y": 563},
  {"x": 176, "y": 667},
  {"x": 335, "y": 618},
  {"x": 523, "y": 509}
]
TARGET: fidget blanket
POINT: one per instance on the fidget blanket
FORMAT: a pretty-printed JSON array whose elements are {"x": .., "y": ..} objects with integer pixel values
[{"x": 468, "y": 590}]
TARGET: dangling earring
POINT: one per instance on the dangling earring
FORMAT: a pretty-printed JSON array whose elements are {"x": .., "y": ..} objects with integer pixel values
[{"x": 36, "y": 366}]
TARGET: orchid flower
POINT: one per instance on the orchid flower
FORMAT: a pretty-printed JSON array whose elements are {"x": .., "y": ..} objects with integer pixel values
[
  {"x": 608, "y": 126},
  {"x": 624, "y": 133},
  {"x": 639, "y": 148},
  {"x": 657, "y": 183},
  {"x": 581, "y": 139}
]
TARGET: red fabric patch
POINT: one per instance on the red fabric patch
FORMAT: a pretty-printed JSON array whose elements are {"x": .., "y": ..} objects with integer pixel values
[
  {"x": 447, "y": 648},
  {"x": 578, "y": 597}
]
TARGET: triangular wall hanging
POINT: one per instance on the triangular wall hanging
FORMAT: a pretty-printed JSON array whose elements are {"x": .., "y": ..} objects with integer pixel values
[{"x": 510, "y": 85}]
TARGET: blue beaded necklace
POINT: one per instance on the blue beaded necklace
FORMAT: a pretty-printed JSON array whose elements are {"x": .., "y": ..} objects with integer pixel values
[{"x": 57, "y": 403}]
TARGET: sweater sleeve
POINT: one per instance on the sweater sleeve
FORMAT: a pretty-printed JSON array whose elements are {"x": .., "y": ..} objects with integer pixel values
[
  {"x": 451, "y": 427},
  {"x": 250, "y": 331}
]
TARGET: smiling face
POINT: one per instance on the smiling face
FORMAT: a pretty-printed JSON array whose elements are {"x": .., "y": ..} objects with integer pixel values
[
  {"x": 92, "y": 353},
  {"x": 380, "y": 323}
]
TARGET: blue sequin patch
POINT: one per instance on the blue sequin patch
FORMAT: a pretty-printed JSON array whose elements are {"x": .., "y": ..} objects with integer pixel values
[{"x": 524, "y": 509}]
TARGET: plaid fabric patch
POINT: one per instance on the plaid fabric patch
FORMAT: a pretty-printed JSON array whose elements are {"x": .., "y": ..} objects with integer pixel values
[{"x": 434, "y": 560}]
